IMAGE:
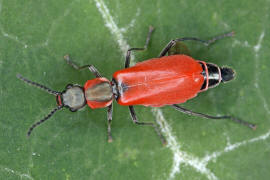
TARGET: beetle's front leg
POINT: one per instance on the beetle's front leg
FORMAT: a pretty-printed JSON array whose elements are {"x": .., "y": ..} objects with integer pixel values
[
  {"x": 109, "y": 117},
  {"x": 127, "y": 62},
  {"x": 90, "y": 67}
]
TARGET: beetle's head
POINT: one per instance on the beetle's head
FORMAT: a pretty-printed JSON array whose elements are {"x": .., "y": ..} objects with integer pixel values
[
  {"x": 227, "y": 74},
  {"x": 72, "y": 97}
]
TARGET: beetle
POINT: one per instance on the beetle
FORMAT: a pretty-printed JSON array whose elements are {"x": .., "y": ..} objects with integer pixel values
[{"x": 166, "y": 80}]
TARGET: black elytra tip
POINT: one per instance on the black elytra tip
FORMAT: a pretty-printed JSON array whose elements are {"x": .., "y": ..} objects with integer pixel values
[{"x": 227, "y": 74}]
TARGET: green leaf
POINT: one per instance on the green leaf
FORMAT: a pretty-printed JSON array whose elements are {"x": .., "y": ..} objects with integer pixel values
[{"x": 34, "y": 37}]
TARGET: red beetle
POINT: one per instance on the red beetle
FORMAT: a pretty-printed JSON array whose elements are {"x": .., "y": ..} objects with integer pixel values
[{"x": 167, "y": 80}]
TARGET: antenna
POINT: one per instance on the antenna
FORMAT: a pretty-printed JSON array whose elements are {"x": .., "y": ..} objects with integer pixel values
[
  {"x": 48, "y": 90},
  {"x": 43, "y": 120}
]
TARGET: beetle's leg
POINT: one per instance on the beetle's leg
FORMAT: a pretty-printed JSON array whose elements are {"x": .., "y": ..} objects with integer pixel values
[
  {"x": 109, "y": 117},
  {"x": 179, "y": 48},
  {"x": 131, "y": 108},
  {"x": 186, "y": 111},
  {"x": 127, "y": 62},
  {"x": 135, "y": 120},
  {"x": 90, "y": 67},
  {"x": 205, "y": 42}
]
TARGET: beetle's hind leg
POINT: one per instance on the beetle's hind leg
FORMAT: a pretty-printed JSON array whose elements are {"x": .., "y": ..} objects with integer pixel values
[
  {"x": 135, "y": 120},
  {"x": 205, "y": 42},
  {"x": 127, "y": 62},
  {"x": 187, "y": 111}
]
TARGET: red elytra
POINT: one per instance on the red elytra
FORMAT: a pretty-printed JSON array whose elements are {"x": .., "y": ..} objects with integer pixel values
[
  {"x": 167, "y": 80},
  {"x": 160, "y": 81}
]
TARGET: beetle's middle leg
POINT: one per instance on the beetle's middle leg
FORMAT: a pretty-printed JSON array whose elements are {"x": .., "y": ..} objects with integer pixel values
[
  {"x": 131, "y": 108},
  {"x": 135, "y": 120},
  {"x": 205, "y": 42},
  {"x": 127, "y": 62}
]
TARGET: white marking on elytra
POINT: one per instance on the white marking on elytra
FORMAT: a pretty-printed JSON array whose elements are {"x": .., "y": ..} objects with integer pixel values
[{"x": 179, "y": 156}]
